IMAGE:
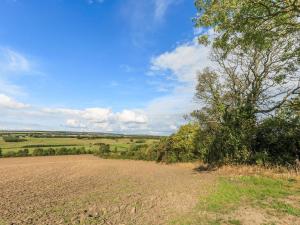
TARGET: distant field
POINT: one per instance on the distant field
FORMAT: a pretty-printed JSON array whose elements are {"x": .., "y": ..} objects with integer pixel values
[{"x": 90, "y": 144}]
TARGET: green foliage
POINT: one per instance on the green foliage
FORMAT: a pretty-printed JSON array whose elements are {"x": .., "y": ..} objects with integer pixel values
[
  {"x": 0, "y": 152},
  {"x": 103, "y": 151},
  {"x": 9, "y": 154},
  {"x": 256, "y": 55},
  {"x": 22, "y": 153},
  {"x": 13, "y": 138},
  {"x": 182, "y": 146},
  {"x": 246, "y": 23},
  {"x": 277, "y": 140},
  {"x": 232, "y": 141},
  {"x": 58, "y": 151},
  {"x": 46, "y": 145},
  {"x": 134, "y": 151}
]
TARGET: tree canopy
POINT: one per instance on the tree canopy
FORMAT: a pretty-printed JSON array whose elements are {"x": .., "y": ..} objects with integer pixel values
[{"x": 246, "y": 23}]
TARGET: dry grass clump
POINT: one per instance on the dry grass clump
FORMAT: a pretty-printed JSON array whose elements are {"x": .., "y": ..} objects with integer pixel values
[{"x": 272, "y": 171}]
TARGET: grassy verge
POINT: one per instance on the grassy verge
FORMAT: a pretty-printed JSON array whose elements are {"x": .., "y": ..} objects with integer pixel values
[{"x": 267, "y": 195}]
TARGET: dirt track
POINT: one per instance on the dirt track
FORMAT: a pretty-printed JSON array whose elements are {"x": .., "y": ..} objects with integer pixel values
[{"x": 90, "y": 190}]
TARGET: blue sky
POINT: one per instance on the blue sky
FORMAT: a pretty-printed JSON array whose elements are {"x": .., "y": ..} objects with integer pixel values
[{"x": 98, "y": 65}]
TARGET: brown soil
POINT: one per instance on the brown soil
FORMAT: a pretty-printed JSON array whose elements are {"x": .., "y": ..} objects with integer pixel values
[{"x": 90, "y": 190}]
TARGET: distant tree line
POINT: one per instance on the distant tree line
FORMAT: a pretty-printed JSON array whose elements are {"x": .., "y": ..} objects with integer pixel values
[
  {"x": 134, "y": 151},
  {"x": 13, "y": 138},
  {"x": 46, "y": 152}
]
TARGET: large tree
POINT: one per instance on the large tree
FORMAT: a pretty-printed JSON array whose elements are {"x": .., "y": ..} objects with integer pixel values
[
  {"x": 246, "y": 23},
  {"x": 244, "y": 85}
]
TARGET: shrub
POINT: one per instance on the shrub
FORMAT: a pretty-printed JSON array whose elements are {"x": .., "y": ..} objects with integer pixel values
[
  {"x": 0, "y": 152},
  {"x": 182, "y": 146},
  {"x": 104, "y": 150},
  {"x": 277, "y": 141},
  {"x": 38, "y": 152},
  {"x": 62, "y": 151},
  {"x": 12, "y": 138},
  {"x": 9, "y": 154},
  {"x": 22, "y": 153}
]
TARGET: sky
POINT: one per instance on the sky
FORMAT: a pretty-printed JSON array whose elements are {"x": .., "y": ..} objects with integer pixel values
[{"x": 120, "y": 66}]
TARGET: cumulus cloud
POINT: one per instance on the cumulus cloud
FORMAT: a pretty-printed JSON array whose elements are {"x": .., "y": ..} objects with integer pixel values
[
  {"x": 97, "y": 115},
  {"x": 8, "y": 103},
  {"x": 183, "y": 62},
  {"x": 180, "y": 65},
  {"x": 129, "y": 116}
]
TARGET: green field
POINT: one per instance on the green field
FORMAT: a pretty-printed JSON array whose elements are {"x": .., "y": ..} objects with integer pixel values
[{"x": 90, "y": 143}]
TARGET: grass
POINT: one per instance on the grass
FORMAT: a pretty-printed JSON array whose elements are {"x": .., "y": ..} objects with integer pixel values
[
  {"x": 265, "y": 193},
  {"x": 282, "y": 207},
  {"x": 89, "y": 144},
  {"x": 231, "y": 191}
]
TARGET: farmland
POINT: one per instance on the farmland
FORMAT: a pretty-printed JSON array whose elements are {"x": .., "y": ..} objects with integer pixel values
[
  {"x": 90, "y": 190},
  {"x": 30, "y": 141}
]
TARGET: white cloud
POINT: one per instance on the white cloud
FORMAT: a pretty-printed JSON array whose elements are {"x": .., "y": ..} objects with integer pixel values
[
  {"x": 13, "y": 61},
  {"x": 129, "y": 116},
  {"x": 16, "y": 61},
  {"x": 65, "y": 111},
  {"x": 161, "y": 115},
  {"x": 183, "y": 62},
  {"x": 9, "y": 103},
  {"x": 97, "y": 115},
  {"x": 73, "y": 123}
]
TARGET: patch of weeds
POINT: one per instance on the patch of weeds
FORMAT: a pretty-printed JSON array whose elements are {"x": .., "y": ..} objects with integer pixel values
[
  {"x": 285, "y": 208},
  {"x": 271, "y": 223},
  {"x": 234, "y": 222},
  {"x": 215, "y": 222}
]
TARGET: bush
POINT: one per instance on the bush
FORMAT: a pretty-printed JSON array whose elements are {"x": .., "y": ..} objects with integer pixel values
[
  {"x": 12, "y": 138},
  {"x": 9, "y": 154},
  {"x": 38, "y": 152},
  {"x": 104, "y": 150},
  {"x": 62, "y": 151},
  {"x": 277, "y": 141},
  {"x": 0, "y": 152},
  {"x": 182, "y": 146},
  {"x": 22, "y": 153}
]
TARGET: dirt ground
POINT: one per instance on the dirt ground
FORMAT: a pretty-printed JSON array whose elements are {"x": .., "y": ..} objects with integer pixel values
[{"x": 90, "y": 190}]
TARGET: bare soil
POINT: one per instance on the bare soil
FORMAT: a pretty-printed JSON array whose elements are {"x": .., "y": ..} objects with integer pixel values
[{"x": 90, "y": 190}]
